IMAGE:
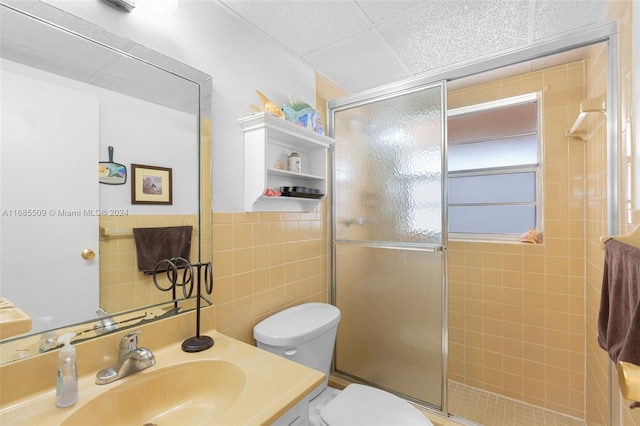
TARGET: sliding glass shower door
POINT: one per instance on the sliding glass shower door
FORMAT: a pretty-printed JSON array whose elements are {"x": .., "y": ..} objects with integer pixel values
[{"x": 389, "y": 240}]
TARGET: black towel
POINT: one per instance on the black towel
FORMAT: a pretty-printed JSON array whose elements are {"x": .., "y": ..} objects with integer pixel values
[
  {"x": 156, "y": 244},
  {"x": 619, "y": 317}
]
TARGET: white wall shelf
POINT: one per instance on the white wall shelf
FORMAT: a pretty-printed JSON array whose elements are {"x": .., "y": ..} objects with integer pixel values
[
  {"x": 295, "y": 175},
  {"x": 268, "y": 142}
]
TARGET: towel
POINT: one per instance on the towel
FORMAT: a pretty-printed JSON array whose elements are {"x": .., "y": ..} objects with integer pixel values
[
  {"x": 156, "y": 244},
  {"x": 619, "y": 317}
]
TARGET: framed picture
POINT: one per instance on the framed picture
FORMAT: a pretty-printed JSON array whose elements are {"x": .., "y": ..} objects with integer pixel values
[{"x": 151, "y": 185}]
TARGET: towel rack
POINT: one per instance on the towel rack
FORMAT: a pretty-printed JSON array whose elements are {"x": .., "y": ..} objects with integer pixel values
[
  {"x": 598, "y": 104},
  {"x": 632, "y": 238},
  {"x": 105, "y": 231}
]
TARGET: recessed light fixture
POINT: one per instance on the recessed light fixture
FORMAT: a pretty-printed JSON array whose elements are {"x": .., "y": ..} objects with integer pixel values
[{"x": 127, "y": 5}]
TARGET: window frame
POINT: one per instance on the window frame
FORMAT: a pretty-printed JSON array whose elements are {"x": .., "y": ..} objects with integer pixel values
[{"x": 536, "y": 168}]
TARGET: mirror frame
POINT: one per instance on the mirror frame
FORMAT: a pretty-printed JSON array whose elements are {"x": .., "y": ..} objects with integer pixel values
[{"x": 64, "y": 21}]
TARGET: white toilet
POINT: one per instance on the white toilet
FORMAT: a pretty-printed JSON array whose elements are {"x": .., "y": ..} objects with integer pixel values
[{"x": 306, "y": 334}]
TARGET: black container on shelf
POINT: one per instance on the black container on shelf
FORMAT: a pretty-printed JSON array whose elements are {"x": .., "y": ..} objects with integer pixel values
[{"x": 300, "y": 191}]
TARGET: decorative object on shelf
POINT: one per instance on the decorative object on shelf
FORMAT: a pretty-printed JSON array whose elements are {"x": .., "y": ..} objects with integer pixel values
[
  {"x": 268, "y": 143},
  {"x": 112, "y": 173},
  {"x": 272, "y": 193},
  {"x": 268, "y": 106},
  {"x": 531, "y": 236},
  {"x": 300, "y": 191},
  {"x": 303, "y": 114},
  {"x": 151, "y": 185},
  {"x": 295, "y": 165},
  {"x": 170, "y": 267}
]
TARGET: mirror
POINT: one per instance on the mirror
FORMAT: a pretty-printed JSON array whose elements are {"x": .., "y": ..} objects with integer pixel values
[{"x": 71, "y": 90}]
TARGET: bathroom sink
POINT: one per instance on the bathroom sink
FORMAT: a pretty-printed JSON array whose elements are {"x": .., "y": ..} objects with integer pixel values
[{"x": 190, "y": 393}]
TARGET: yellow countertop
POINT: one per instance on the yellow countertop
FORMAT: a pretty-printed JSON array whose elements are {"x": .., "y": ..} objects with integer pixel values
[
  {"x": 12, "y": 320},
  {"x": 272, "y": 384}
]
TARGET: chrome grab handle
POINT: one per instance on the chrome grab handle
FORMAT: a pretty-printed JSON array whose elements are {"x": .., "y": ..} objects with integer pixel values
[
  {"x": 394, "y": 246},
  {"x": 356, "y": 221}
]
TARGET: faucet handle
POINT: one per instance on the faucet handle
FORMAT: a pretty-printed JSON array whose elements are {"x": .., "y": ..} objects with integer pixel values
[{"x": 129, "y": 342}]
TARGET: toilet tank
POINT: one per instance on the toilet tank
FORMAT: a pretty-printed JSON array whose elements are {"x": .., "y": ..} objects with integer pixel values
[{"x": 305, "y": 334}]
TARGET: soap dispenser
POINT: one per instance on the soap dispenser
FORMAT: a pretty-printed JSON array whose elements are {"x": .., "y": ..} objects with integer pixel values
[{"x": 67, "y": 382}]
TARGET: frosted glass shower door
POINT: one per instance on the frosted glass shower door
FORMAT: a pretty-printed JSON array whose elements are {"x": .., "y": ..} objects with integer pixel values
[{"x": 388, "y": 257}]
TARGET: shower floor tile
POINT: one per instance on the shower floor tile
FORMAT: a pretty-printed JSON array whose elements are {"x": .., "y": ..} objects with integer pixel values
[{"x": 489, "y": 409}]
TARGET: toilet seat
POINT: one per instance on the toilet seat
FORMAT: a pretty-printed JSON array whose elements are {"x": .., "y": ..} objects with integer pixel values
[{"x": 367, "y": 406}]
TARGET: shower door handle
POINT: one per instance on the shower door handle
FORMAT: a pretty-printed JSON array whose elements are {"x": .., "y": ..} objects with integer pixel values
[
  {"x": 355, "y": 221},
  {"x": 425, "y": 247}
]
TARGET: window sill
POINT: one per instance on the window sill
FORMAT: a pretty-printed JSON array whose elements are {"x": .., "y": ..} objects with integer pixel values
[{"x": 496, "y": 239}]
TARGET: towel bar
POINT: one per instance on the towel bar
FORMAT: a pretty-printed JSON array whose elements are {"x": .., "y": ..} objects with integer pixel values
[
  {"x": 598, "y": 104},
  {"x": 105, "y": 231},
  {"x": 632, "y": 238}
]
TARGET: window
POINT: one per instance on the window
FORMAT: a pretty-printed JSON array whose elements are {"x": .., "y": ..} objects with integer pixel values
[{"x": 494, "y": 169}]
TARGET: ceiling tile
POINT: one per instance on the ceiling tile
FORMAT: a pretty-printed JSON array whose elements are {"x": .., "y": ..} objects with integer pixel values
[
  {"x": 358, "y": 63},
  {"x": 441, "y": 34},
  {"x": 303, "y": 26},
  {"x": 555, "y": 17},
  {"x": 379, "y": 10},
  {"x": 361, "y": 44}
]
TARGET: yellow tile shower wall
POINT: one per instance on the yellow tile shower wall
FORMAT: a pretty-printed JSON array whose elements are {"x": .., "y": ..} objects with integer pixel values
[
  {"x": 598, "y": 407},
  {"x": 265, "y": 262},
  {"x": 516, "y": 311}
]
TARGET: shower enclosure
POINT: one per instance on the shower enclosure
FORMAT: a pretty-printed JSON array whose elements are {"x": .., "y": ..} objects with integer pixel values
[{"x": 389, "y": 240}]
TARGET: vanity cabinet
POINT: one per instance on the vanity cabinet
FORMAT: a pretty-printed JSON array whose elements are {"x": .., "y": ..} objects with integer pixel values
[
  {"x": 268, "y": 142},
  {"x": 296, "y": 416}
]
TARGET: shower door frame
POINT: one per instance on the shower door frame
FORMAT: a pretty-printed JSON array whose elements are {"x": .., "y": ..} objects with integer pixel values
[
  {"x": 381, "y": 94},
  {"x": 607, "y": 33}
]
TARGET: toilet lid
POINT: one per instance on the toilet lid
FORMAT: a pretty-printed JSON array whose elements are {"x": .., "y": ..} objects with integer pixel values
[{"x": 367, "y": 406}]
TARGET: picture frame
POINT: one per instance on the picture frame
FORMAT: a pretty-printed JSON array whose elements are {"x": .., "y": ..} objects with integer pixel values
[{"x": 151, "y": 185}]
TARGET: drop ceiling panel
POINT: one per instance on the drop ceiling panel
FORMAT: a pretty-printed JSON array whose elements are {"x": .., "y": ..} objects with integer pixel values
[
  {"x": 556, "y": 17},
  {"x": 338, "y": 38},
  {"x": 380, "y": 10},
  {"x": 359, "y": 62},
  {"x": 303, "y": 26},
  {"x": 440, "y": 35}
]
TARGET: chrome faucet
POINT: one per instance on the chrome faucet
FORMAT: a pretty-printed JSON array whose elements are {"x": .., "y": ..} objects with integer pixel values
[{"x": 130, "y": 360}]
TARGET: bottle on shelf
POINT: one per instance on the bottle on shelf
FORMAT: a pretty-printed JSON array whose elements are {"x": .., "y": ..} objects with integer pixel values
[{"x": 294, "y": 162}]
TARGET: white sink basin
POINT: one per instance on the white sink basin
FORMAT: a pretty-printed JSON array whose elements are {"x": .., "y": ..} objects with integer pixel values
[{"x": 189, "y": 393}]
